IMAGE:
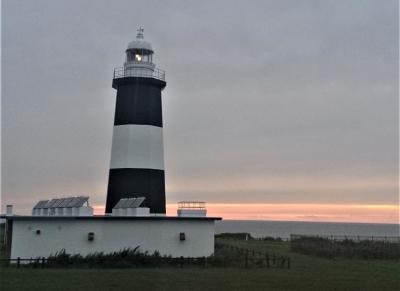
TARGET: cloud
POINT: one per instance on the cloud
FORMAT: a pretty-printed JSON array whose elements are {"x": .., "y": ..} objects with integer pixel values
[{"x": 266, "y": 92}]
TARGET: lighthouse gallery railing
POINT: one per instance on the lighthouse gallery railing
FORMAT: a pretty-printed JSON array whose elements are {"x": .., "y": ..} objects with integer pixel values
[{"x": 122, "y": 72}]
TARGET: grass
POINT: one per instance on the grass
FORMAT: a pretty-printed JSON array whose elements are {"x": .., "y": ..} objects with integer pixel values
[
  {"x": 364, "y": 249},
  {"x": 313, "y": 273},
  {"x": 306, "y": 273}
]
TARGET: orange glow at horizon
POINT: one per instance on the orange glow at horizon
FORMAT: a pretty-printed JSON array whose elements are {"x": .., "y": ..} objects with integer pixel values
[{"x": 374, "y": 213}]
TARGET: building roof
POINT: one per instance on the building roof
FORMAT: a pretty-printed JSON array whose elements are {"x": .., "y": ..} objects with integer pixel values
[
  {"x": 62, "y": 202},
  {"x": 102, "y": 217},
  {"x": 139, "y": 43},
  {"x": 40, "y": 204}
]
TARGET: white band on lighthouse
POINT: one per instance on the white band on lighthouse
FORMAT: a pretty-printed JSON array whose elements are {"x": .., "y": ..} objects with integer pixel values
[{"x": 137, "y": 146}]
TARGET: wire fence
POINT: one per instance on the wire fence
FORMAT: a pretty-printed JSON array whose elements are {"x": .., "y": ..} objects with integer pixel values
[
  {"x": 355, "y": 238},
  {"x": 347, "y": 247},
  {"x": 226, "y": 256},
  {"x": 252, "y": 258}
]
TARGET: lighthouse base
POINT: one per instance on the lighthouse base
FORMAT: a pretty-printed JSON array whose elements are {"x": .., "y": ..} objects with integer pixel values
[{"x": 129, "y": 183}]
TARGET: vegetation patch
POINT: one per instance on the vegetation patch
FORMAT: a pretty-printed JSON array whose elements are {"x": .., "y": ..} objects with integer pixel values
[
  {"x": 126, "y": 258},
  {"x": 245, "y": 236},
  {"x": 364, "y": 249},
  {"x": 235, "y": 236},
  {"x": 225, "y": 255}
]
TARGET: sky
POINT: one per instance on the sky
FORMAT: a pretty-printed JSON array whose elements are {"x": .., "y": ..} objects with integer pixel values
[{"x": 282, "y": 110}]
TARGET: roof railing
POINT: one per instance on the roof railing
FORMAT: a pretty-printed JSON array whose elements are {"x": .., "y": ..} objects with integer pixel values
[
  {"x": 122, "y": 72},
  {"x": 191, "y": 205}
]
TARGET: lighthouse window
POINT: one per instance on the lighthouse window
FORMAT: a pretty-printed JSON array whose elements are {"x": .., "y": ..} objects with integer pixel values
[
  {"x": 129, "y": 56},
  {"x": 138, "y": 58}
]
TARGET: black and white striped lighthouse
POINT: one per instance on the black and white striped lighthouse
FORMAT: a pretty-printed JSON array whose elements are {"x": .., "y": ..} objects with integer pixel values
[{"x": 137, "y": 160}]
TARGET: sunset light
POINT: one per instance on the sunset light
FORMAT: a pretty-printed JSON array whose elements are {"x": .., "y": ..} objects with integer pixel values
[{"x": 297, "y": 212}]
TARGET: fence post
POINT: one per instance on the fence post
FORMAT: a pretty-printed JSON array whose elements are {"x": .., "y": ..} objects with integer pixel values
[
  {"x": 18, "y": 262},
  {"x": 288, "y": 262},
  {"x": 205, "y": 262},
  {"x": 42, "y": 262},
  {"x": 267, "y": 260},
  {"x": 273, "y": 259},
  {"x": 247, "y": 259},
  {"x": 181, "y": 261}
]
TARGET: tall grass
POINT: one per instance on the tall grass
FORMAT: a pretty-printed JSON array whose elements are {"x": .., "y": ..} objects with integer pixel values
[
  {"x": 124, "y": 258},
  {"x": 364, "y": 249}
]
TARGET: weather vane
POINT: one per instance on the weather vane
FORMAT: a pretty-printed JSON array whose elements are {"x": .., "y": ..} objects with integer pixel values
[{"x": 140, "y": 32}]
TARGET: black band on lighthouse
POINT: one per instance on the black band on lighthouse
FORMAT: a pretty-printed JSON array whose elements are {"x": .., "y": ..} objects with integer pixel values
[
  {"x": 138, "y": 101},
  {"x": 149, "y": 183}
]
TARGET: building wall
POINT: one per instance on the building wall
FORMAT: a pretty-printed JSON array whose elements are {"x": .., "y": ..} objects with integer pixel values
[{"x": 111, "y": 235}]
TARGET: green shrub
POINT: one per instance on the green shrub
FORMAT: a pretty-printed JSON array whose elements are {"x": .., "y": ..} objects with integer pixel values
[
  {"x": 236, "y": 236},
  {"x": 124, "y": 258},
  {"x": 364, "y": 249},
  {"x": 270, "y": 238}
]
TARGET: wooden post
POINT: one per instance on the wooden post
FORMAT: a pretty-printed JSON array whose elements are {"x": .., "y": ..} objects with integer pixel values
[
  {"x": 267, "y": 260},
  {"x": 181, "y": 261},
  {"x": 42, "y": 262},
  {"x": 273, "y": 259},
  {"x": 247, "y": 259},
  {"x": 18, "y": 262},
  {"x": 288, "y": 262}
]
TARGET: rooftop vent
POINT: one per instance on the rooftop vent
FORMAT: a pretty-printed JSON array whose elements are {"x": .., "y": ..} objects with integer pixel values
[
  {"x": 192, "y": 209},
  {"x": 130, "y": 207},
  {"x": 69, "y": 206}
]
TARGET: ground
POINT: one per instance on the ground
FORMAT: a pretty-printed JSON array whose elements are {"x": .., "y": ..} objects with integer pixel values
[{"x": 306, "y": 273}]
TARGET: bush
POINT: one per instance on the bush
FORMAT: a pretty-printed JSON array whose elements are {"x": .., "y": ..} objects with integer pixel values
[
  {"x": 235, "y": 236},
  {"x": 270, "y": 238},
  {"x": 124, "y": 258},
  {"x": 364, "y": 249}
]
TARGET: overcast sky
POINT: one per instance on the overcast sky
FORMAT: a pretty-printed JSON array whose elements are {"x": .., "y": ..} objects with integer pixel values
[{"x": 266, "y": 101}]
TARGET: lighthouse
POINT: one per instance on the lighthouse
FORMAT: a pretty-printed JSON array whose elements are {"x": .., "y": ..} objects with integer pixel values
[
  {"x": 135, "y": 207},
  {"x": 137, "y": 159}
]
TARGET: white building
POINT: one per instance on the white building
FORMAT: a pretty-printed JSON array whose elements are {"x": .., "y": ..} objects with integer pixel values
[
  {"x": 191, "y": 234},
  {"x": 41, "y": 236}
]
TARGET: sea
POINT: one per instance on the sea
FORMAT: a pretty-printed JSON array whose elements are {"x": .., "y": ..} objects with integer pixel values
[{"x": 284, "y": 229}]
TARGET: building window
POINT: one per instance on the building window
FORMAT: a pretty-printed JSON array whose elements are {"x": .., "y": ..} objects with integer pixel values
[{"x": 91, "y": 236}]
